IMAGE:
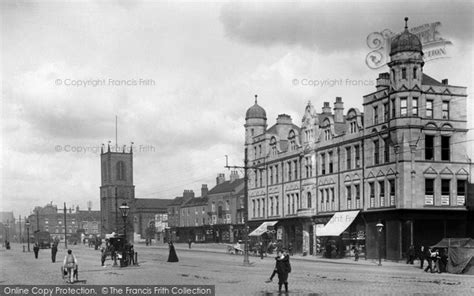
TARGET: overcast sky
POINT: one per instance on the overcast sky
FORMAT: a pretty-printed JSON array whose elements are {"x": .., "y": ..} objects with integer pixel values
[{"x": 200, "y": 65}]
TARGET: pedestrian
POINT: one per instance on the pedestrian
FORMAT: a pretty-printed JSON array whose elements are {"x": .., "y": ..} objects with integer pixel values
[
  {"x": 131, "y": 255},
  {"x": 443, "y": 260},
  {"x": 283, "y": 269},
  {"x": 356, "y": 253},
  {"x": 436, "y": 259},
  {"x": 103, "y": 256},
  {"x": 429, "y": 259},
  {"x": 411, "y": 254},
  {"x": 262, "y": 250},
  {"x": 190, "y": 242},
  {"x": 54, "y": 250},
  {"x": 421, "y": 256},
  {"x": 279, "y": 256},
  {"x": 36, "y": 249},
  {"x": 172, "y": 257},
  {"x": 70, "y": 265}
]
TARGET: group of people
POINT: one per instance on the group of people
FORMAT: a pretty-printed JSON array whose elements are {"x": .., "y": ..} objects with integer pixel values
[{"x": 437, "y": 259}]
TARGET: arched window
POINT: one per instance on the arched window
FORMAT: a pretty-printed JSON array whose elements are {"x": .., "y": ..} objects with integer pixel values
[
  {"x": 308, "y": 203},
  {"x": 120, "y": 170},
  {"x": 104, "y": 171}
]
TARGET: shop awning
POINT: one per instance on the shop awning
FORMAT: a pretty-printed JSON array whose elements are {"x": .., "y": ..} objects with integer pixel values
[
  {"x": 262, "y": 228},
  {"x": 338, "y": 223}
]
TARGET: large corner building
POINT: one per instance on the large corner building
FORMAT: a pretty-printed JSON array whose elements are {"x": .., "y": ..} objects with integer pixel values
[{"x": 402, "y": 162}]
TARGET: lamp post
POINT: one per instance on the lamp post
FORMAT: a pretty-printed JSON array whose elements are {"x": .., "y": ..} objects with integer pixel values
[
  {"x": 379, "y": 233},
  {"x": 124, "y": 209},
  {"x": 27, "y": 224}
]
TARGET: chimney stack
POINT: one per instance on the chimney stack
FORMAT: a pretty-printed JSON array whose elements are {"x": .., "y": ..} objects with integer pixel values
[
  {"x": 233, "y": 176},
  {"x": 220, "y": 179},
  {"x": 204, "y": 190},
  {"x": 326, "y": 108},
  {"x": 188, "y": 194},
  {"x": 444, "y": 81},
  {"x": 338, "y": 110}
]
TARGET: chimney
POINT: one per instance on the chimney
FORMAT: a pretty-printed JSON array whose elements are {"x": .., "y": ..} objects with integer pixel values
[
  {"x": 233, "y": 176},
  {"x": 383, "y": 81},
  {"x": 220, "y": 179},
  {"x": 188, "y": 194},
  {"x": 326, "y": 108},
  {"x": 338, "y": 110},
  {"x": 204, "y": 190},
  {"x": 444, "y": 81}
]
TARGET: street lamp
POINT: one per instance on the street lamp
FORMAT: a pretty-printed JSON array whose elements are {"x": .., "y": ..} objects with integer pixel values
[
  {"x": 379, "y": 232},
  {"x": 124, "y": 209},
  {"x": 27, "y": 224}
]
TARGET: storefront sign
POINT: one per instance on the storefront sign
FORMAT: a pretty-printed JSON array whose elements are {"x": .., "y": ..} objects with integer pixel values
[
  {"x": 429, "y": 200},
  {"x": 338, "y": 223},
  {"x": 445, "y": 200},
  {"x": 460, "y": 200}
]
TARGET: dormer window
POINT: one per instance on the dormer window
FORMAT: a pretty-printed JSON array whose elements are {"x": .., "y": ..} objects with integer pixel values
[
  {"x": 292, "y": 139},
  {"x": 273, "y": 146},
  {"x": 404, "y": 73}
]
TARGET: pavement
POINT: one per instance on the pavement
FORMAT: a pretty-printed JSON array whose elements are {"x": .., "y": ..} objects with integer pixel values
[
  {"x": 222, "y": 248},
  {"x": 211, "y": 265}
]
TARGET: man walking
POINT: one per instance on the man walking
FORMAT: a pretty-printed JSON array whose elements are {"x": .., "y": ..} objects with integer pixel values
[
  {"x": 411, "y": 254},
  {"x": 36, "y": 249},
  {"x": 54, "y": 250}
]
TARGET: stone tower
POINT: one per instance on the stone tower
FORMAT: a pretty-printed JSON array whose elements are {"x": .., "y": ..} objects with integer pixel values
[{"x": 116, "y": 188}]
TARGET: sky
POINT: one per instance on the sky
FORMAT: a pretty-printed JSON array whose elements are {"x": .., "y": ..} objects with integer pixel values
[{"x": 179, "y": 76}]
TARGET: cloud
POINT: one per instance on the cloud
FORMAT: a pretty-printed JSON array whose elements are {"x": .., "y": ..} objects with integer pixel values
[{"x": 340, "y": 26}]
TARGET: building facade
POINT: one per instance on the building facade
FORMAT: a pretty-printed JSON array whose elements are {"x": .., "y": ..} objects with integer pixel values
[
  {"x": 59, "y": 222},
  {"x": 402, "y": 162}
]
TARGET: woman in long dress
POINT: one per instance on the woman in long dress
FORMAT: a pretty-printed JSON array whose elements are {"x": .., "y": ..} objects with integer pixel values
[{"x": 172, "y": 255}]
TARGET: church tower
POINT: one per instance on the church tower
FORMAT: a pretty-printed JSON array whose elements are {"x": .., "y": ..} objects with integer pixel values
[{"x": 116, "y": 188}]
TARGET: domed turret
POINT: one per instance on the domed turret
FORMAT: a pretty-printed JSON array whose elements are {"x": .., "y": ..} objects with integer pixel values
[
  {"x": 255, "y": 122},
  {"x": 256, "y": 111},
  {"x": 406, "y": 41}
]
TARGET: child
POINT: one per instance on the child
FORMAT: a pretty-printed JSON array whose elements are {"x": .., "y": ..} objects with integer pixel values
[{"x": 279, "y": 256}]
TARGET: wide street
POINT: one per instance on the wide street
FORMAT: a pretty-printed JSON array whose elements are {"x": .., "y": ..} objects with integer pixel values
[{"x": 209, "y": 266}]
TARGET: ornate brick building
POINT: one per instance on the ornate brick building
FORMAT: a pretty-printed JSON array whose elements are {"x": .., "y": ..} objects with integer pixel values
[{"x": 402, "y": 162}]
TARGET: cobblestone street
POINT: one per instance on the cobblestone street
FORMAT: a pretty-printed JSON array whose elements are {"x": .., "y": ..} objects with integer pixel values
[{"x": 204, "y": 265}]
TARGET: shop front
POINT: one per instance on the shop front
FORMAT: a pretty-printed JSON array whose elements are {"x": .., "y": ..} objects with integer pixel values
[{"x": 343, "y": 235}]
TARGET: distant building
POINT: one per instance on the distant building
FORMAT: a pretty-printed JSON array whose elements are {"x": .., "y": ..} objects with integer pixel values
[
  {"x": 51, "y": 218},
  {"x": 7, "y": 227}
]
